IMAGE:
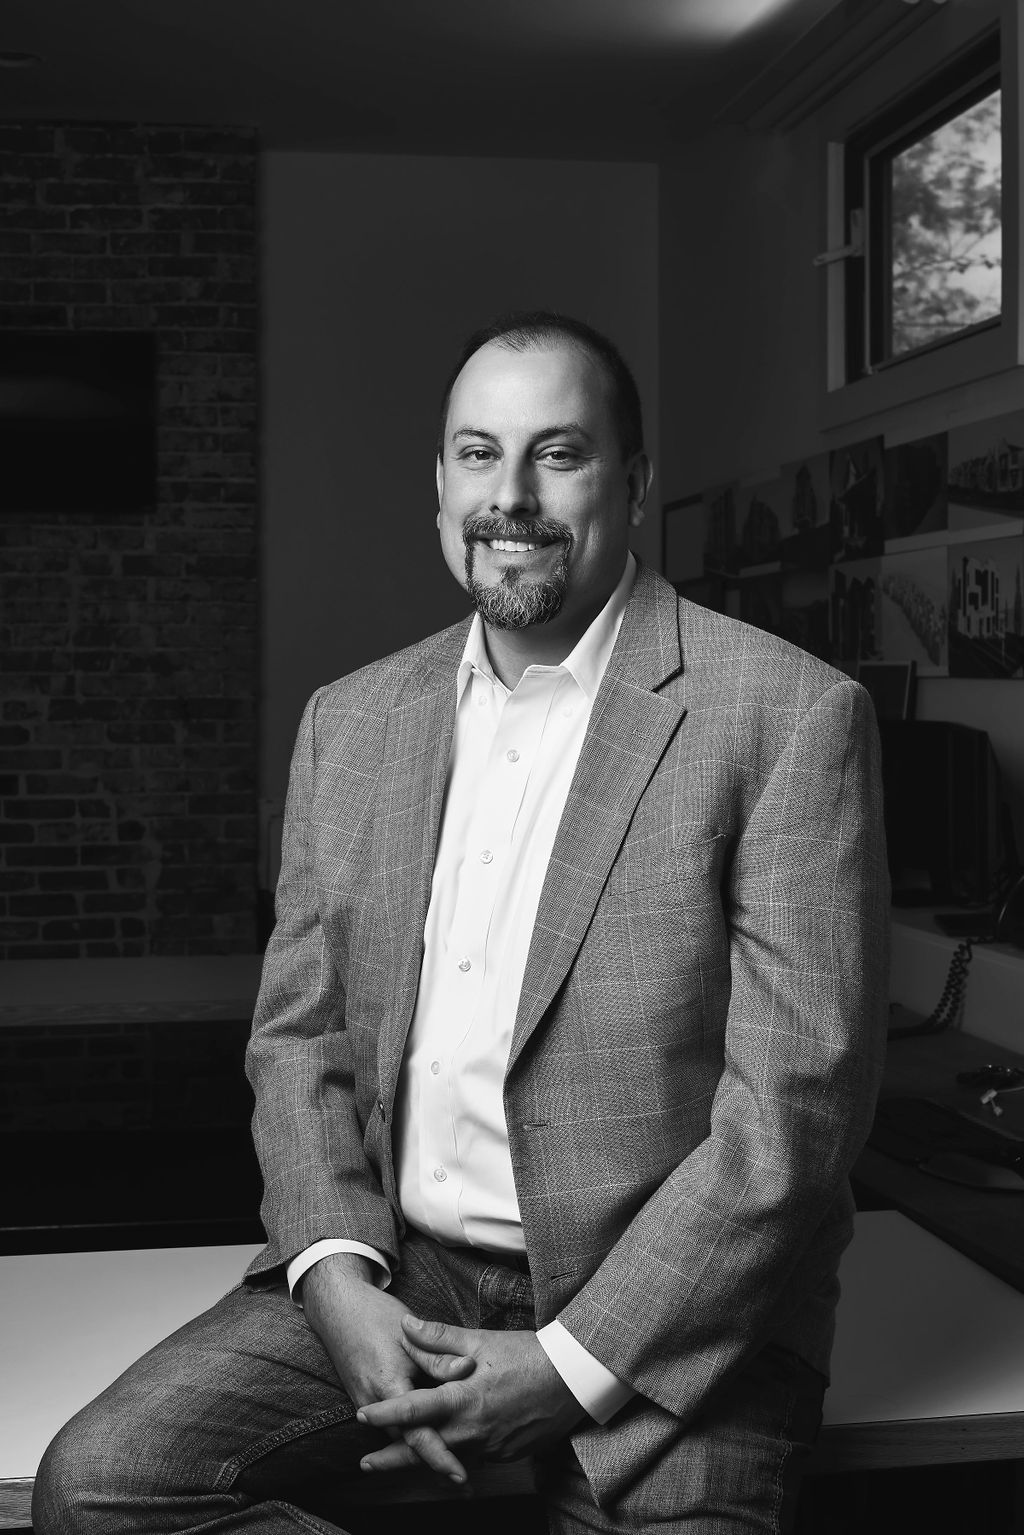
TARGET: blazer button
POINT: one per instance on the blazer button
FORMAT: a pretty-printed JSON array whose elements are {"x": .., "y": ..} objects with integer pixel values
[{"x": 381, "y": 1108}]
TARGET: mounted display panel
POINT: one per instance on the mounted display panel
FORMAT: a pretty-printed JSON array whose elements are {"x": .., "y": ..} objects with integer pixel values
[{"x": 77, "y": 421}]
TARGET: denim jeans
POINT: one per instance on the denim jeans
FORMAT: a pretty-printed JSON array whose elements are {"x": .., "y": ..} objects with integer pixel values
[{"x": 237, "y": 1422}]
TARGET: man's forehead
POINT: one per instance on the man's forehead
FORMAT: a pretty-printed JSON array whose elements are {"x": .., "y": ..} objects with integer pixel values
[{"x": 551, "y": 369}]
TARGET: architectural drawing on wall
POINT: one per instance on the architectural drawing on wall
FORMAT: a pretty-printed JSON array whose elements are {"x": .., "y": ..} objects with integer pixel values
[
  {"x": 760, "y": 521},
  {"x": 986, "y": 472},
  {"x": 857, "y": 493},
  {"x": 855, "y": 613},
  {"x": 914, "y": 624},
  {"x": 915, "y": 487},
  {"x": 721, "y": 549},
  {"x": 807, "y": 540},
  {"x": 986, "y": 608}
]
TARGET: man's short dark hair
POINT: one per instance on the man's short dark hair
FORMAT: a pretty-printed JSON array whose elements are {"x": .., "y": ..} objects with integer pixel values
[{"x": 522, "y": 329}]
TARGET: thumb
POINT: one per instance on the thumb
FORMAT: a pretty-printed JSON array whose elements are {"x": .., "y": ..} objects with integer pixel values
[
  {"x": 440, "y": 1367},
  {"x": 437, "y": 1348}
]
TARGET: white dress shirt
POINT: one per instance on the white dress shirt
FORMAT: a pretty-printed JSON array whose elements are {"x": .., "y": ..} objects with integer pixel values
[{"x": 512, "y": 761}]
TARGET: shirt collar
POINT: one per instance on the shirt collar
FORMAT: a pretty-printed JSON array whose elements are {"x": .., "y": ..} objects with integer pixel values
[{"x": 586, "y": 663}]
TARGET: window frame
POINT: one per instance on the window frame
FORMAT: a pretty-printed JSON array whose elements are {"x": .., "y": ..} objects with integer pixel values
[{"x": 914, "y": 72}]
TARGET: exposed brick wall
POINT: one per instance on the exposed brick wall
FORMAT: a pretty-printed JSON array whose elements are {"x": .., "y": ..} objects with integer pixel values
[{"x": 128, "y": 643}]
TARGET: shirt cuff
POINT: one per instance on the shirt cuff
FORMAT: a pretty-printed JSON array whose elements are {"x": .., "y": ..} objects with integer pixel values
[
  {"x": 306, "y": 1259},
  {"x": 598, "y": 1390}
]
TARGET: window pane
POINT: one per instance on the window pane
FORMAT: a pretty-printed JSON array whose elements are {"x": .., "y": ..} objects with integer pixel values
[{"x": 947, "y": 236}]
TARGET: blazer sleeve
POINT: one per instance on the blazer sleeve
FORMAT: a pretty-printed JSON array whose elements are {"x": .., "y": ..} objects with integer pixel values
[
  {"x": 318, "y": 1181},
  {"x": 698, "y": 1279}
]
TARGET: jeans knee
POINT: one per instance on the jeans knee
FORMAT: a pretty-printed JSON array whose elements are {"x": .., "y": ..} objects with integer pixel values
[
  {"x": 57, "y": 1486},
  {"x": 78, "y": 1476}
]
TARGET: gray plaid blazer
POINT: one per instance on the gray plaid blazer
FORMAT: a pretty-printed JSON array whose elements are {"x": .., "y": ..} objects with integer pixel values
[{"x": 699, "y": 1037}]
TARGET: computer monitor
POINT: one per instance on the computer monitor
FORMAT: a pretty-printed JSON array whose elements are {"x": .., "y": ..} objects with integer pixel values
[{"x": 944, "y": 818}]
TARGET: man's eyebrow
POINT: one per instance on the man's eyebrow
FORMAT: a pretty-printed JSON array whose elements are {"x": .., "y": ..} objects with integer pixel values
[
  {"x": 563, "y": 429},
  {"x": 473, "y": 431}
]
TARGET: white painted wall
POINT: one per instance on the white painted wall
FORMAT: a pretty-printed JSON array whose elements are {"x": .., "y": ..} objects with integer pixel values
[{"x": 375, "y": 268}]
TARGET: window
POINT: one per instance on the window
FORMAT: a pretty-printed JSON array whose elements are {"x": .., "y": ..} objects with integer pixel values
[
  {"x": 921, "y": 246},
  {"x": 923, "y": 190}
]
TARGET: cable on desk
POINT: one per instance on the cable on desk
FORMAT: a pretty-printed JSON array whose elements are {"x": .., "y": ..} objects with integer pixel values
[{"x": 950, "y": 1004}]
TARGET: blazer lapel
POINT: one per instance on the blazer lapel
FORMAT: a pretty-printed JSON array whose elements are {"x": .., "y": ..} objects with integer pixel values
[
  {"x": 411, "y": 796},
  {"x": 629, "y": 730}
]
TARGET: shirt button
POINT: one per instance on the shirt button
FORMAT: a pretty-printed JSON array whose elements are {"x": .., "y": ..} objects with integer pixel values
[
  {"x": 486, "y": 856},
  {"x": 512, "y": 756},
  {"x": 567, "y": 712},
  {"x": 440, "y": 1174},
  {"x": 435, "y": 1067},
  {"x": 480, "y": 698},
  {"x": 465, "y": 964}
]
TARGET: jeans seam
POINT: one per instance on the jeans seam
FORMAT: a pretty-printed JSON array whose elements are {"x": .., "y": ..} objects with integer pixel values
[
  {"x": 296, "y": 1429},
  {"x": 785, "y": 1435}
]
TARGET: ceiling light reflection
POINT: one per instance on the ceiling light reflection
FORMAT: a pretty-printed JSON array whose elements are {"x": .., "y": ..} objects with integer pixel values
[{"x": 714, "y": 19}]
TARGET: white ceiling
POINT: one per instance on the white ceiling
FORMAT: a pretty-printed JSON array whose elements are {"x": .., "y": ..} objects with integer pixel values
[{"x": 591, "y": 78}]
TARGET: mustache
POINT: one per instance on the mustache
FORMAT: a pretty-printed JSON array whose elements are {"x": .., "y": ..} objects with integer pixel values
[{"x": 532, "y": 530}]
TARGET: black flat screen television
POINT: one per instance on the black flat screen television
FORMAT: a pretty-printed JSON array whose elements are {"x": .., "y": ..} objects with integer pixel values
[{"x": 77, "y": 421}]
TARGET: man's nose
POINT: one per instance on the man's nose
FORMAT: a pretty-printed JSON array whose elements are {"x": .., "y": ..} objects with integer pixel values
[{"x": 515, "y": 491}]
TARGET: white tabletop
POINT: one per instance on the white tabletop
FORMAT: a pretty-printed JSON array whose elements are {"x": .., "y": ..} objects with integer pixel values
[{"x": 922, "y": 1331}]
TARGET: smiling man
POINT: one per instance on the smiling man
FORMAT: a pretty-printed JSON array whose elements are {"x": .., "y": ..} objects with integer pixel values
[{"x": 569, "y": 1033}]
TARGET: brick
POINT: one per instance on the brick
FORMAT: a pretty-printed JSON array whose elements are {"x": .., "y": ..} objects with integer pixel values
[
  {"x": 26, "y": 139},
  {"x": 107, "y": 167},
  {"x": 30, "y": 758},
  {"x": 144, "y": 244},
  {"x": 27, "y": 809},
  {"x": 40, "y": 857},
  {"x": 43, "y": 951},
  {"x": 77, "y": 242},
  {"x": 112, "y": 855},
  {"x": 43, "y": 905},
  {"x": 68, "y": 292},
  {"x": 11, "y": 932},
  {"x": 14, "y": 735},
  {"x": 78, "y": 927},
  {"x": 10, "y": 881},
  {"x": 114, "y": 901},
  {"x": 73, "y": 879},
  {"x": 93, "y": 195},
  {"x": 11, "y": 834}
]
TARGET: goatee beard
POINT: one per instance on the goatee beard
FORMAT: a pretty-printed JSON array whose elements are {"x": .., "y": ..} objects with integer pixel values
[{"x": 513, "y": 602}]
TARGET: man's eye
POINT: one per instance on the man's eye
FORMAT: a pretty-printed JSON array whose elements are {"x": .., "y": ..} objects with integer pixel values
[
  {"x": 559, "y": 456},
  {"x": 477, "y": 456}
]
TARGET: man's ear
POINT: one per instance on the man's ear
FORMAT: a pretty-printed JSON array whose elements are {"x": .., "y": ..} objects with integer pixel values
[
  {"x": 639, "y": 475},
  {"x": 439, "y": 481}
]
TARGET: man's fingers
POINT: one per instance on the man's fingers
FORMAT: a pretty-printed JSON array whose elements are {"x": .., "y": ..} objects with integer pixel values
[
  {"x": 420, "y": 1446},
  {"x": 440, "y": 1366},
  {"x": 437, "y": 1337},
  {"x": 430, "y": 1405}
]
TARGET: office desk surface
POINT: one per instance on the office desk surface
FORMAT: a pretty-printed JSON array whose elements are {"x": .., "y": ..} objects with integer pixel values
[
  {"x": 923, "y": 1334},
  {"x": 986, "y": 1224}
]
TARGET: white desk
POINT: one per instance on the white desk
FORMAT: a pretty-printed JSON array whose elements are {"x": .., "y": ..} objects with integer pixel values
[{"x": 927, "y": 1364}]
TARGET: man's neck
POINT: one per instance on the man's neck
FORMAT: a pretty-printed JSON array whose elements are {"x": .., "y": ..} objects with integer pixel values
[{"x": 511, "y": 651}]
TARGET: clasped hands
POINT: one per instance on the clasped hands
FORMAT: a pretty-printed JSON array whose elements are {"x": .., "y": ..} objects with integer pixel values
[
  {"x": 488, "y": 1395},
  {"x": 496, "y": 1396}
]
